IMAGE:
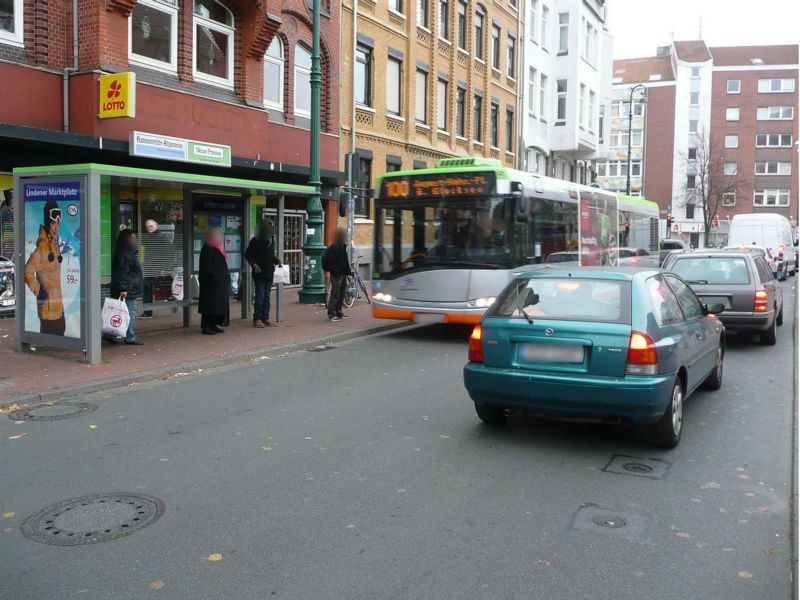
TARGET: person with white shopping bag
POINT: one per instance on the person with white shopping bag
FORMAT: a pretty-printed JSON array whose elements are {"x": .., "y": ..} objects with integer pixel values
[
  {"x": 260, "y": 254},
  {"x": 127, "y": 278}
]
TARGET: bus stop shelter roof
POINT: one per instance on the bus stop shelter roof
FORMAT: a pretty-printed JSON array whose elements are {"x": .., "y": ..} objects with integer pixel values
[{"x": 136, "y": 175}]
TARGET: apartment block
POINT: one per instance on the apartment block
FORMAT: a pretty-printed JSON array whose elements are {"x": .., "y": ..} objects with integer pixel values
[
  {"x": 713, "y": 134},
  {"x": 426, "y": 80},
  {"x": 566, "y": 69}
]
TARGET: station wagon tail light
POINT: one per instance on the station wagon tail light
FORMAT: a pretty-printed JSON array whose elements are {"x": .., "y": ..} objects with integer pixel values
[
  {"x": 642, "y": 355},
  {"x": 476, "y": 345},
  {"x": 780, "y": 251},
  {"x": 761, "y": 303}
]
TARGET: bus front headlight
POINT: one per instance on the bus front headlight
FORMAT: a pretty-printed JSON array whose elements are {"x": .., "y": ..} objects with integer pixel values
[{"x": 381, "y": 297}]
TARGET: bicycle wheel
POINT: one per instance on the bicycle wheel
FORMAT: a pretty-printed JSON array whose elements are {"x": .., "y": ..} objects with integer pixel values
[
  {"x": 364, "y": 289},
  {"x": 350, "y": 292}
]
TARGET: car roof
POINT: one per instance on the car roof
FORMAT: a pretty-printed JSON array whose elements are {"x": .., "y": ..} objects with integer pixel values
[
  {"x": 715, "y": 254},
  {"x": 610, "y": 273}
]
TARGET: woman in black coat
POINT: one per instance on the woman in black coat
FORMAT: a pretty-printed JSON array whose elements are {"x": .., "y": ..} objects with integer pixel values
[{"x": 215, "y": 284}]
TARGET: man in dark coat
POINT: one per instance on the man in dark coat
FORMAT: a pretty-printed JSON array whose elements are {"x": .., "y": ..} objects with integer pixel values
[
  {"x": 215, "y": 284},
  {"x": 126, "y": 278},
  {"x": 336, "y": 262},
  {"x": 260, "y": 254}
]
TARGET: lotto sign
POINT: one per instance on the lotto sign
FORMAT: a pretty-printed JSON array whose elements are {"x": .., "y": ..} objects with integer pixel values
[{"x": 117, "y": 95}]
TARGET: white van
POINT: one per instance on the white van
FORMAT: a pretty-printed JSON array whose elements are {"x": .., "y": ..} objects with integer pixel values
[{"x": 768, "y": 230}]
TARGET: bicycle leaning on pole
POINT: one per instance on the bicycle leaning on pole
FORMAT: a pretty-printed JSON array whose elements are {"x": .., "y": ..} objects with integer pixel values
[{"x": 354, "y": 287}]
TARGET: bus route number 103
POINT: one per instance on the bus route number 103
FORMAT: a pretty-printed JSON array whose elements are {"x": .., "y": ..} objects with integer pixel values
[{"x": 397, "y": 189}]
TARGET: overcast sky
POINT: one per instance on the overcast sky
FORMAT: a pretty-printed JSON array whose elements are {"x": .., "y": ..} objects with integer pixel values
[{"x": 639, "y": 26}]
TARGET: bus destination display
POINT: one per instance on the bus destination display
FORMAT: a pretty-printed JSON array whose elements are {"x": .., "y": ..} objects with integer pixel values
[{"x": 439, "y": 186}]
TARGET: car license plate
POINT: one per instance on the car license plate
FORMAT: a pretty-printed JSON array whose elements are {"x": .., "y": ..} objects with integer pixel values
[
  {"x": 6, "y": 302},
  {"x": 428, "y": 318},
  {"x": 551, "y": 353},
  {"x": 724, "y": 300}
]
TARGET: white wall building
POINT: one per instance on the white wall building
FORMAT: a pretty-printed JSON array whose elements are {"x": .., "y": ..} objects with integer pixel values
[{"x": 566, "y": 70}]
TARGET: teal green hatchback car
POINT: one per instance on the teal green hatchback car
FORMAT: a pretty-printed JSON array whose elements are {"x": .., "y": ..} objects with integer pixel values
[{"x": 600, "y": 344}]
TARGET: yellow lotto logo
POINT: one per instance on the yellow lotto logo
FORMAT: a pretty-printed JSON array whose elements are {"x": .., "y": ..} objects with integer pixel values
[{"x": 117, "y": 95}]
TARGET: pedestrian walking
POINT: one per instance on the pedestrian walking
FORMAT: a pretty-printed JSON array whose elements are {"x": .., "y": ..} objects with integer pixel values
[
  {"x": 260, "y": 254},
  {"x": 335, "y": 261},
  {"x": 127, "y": 278},
  {"x": 215, "y": 284}
]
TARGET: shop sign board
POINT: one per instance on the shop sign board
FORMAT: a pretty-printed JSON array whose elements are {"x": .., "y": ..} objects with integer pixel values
[
  {"x": 53, "y": 259},
  {"x": 151, "y": 145},
  {"x": 117, "y": 95},
  {"x": 598, "y": 229}
]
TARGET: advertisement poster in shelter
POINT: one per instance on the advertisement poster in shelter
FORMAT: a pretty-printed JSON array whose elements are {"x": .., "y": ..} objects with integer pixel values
[
  {"x": 52, "y": 257},
  {"x": 598, "y": 229}
]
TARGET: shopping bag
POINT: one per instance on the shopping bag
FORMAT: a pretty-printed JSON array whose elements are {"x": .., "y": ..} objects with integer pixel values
[
  {"x": 282, "y": 275},
  {"x": 177, "y": 284},
  {"x": 115, "y": 317}
]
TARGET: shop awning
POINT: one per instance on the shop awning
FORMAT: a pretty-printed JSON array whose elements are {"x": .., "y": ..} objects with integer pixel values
[{"x": 136, "y": 175}]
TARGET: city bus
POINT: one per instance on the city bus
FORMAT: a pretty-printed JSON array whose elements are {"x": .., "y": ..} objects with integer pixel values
[{"x": 448, "y": 239}]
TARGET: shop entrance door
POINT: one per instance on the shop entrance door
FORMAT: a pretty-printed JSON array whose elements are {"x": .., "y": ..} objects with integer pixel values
[{"x": 294, "y": 238}]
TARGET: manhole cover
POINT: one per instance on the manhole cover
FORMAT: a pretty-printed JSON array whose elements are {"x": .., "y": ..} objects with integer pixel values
[
  {"x": 637, "y": 467},
  {"x": 52, "y": 411},
  {"x": 322, "y": 348},
  {"x": 609, "y": 521},
  {"x": 92, "y": 519}
]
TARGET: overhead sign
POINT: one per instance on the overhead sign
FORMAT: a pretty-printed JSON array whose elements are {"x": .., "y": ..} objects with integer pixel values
[
  {"x": 151, "y": 145},
  {"x": 438, "y": 185},
  {"x": 117, "y": 95}
]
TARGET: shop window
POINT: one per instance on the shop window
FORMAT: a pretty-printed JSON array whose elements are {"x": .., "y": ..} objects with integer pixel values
[
  {"x": 274, "y": 64},
  {"x": 153, "y": 34},
  {"x": 213, "y": 43},
  {"x": 11, "y": 21},
  {"x": 302, "y": 81}
]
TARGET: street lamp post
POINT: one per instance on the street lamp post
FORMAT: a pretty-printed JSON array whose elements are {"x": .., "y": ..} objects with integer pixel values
[
  {"x": 630, "y": 132},
  {"x": 313, "y": 291}
]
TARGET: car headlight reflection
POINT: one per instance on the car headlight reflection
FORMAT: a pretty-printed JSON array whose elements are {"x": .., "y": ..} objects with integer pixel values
[{"x": 484, "y": 302}]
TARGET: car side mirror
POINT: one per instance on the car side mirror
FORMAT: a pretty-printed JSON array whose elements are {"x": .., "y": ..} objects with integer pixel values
[{"x": 713, "y": 309}]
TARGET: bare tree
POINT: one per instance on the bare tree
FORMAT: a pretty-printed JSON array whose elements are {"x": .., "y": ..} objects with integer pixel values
[{"x": 711, "y": 183}]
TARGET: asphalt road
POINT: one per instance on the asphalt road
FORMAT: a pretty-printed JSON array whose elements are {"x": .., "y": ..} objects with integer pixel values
[{"x": 363, "y": 472}]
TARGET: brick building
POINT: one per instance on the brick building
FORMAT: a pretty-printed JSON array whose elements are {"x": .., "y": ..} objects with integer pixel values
[
  {"x": 713, "y": 127},
  {"x": 222, "y": 72},
  {"x": 433, "y": 79}
]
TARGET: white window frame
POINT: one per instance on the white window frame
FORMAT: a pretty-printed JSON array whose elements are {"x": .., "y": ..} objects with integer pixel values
[
  {"x": 785, "y": 85},
  {"x": 733, "y": 137},
  {"x": 281, "y": 64},
  {"x": 534, "y": 27},
  {"x": 17, "y": 37},
  {"x": 781, "y": 167},
  {"x": 725, "y": 199},
  {"x": 764, "y": 113},
  {"x": 442, "y": 101},
  {"x": 543, "y": 97},
  {"x": 533, "y": 82},
  {"x": 421, "y": 108},
  {"x": 767, "y": 143},
  {"x": 781, "y": 197},
  {"x": 559, "y": 97},
  {"x": 545, "y": 18},
  {"x": 298, "y": 69},
  {"x": 730, "y": 168},
  {"x": 592, "y": 102},
  {"x": 694, "y": 98},
  {"x": 399, "y": 84},
  {"x": 582, "y": 106},
  {"x": 199, "y": 21},
  {"x": 732, "y": 110},
  {"x": 137, "y": 59},
  {"x": 563, "y": 33},
  {"x": 738, "y": 86}
]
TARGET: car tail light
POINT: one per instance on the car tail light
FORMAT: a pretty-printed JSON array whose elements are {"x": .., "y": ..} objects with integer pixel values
[
  {"x": 780, "y": 251},
  {"x": 642, "y": 355},
  {"x": 476, "y": 345},
  {"x": 761, "y": 303}
]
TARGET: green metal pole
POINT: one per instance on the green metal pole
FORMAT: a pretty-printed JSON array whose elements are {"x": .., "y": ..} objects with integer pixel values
[{"x": 313, "y": 291}]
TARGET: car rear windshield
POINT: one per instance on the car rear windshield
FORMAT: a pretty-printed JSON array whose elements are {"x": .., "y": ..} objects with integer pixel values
[
  {"x": 565, "y": 299},
  {"x": 712, "y": 270}
]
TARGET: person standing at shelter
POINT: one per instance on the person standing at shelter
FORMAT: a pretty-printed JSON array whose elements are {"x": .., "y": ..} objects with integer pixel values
[
  {"x": 215, "y": 284},
  {"x": 335, "y": 261},
  {"x": 127, "y": 278},
  {"x": 260, "y": 254},
  {"x": 43, "y": 273}
]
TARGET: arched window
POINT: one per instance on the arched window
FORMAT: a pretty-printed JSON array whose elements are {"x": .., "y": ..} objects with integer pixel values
[
  {"x": 302, "y": 81},
  {"x": 273, "y": 74},
  {"x": 213, "y": 42}
]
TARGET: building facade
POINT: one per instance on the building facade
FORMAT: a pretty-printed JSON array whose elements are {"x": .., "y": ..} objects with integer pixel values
[
  {"x": 714, "y": 134},
  {"x": 426, "y": 80},
  {"x": 226, "y": 73},
  {"x": 566, "y": 89}
]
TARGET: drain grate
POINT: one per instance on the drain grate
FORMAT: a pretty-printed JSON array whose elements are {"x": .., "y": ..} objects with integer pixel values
[
  {"x": 52, "y": 411},
  {"x": 637, "y": 466},
  {"x": 625, "y": 525},
  {"x": 322, "y": 348},
  {"x": 609, "y": 521},
  {"x": 92, "y": 519}
]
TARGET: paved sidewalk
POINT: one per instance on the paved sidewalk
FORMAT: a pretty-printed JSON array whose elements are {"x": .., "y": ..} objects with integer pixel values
[{"x": 169, "y": 349}]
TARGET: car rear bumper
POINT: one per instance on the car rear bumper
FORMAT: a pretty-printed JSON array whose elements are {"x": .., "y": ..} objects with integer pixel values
[
  {"x": 638, "y": 399},
  {"x": 746, "y": 321}
]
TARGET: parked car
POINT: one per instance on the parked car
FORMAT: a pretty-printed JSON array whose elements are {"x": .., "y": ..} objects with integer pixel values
[
  {"x": 596, "y": 343},
  {"x": 739, "y": 280},
  {"x": 669, "y": 245},
  {"x": 636, "y": 257},
  {"x": 768, "y": 230},
  {"x": 562, "y": 257},
  {"x": 7, "y": 286}
]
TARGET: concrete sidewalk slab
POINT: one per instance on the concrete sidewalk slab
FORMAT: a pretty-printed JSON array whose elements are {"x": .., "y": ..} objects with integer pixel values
[{"x": 169, "y": 349}]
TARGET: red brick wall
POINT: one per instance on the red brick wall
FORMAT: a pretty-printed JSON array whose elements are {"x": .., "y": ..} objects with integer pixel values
[
  {"x": 659, "y": 145},
  {"x": 746, "y": 128}
]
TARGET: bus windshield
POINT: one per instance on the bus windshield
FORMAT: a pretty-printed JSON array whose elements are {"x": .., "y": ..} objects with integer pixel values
[{"x": 470, "y": 233}]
